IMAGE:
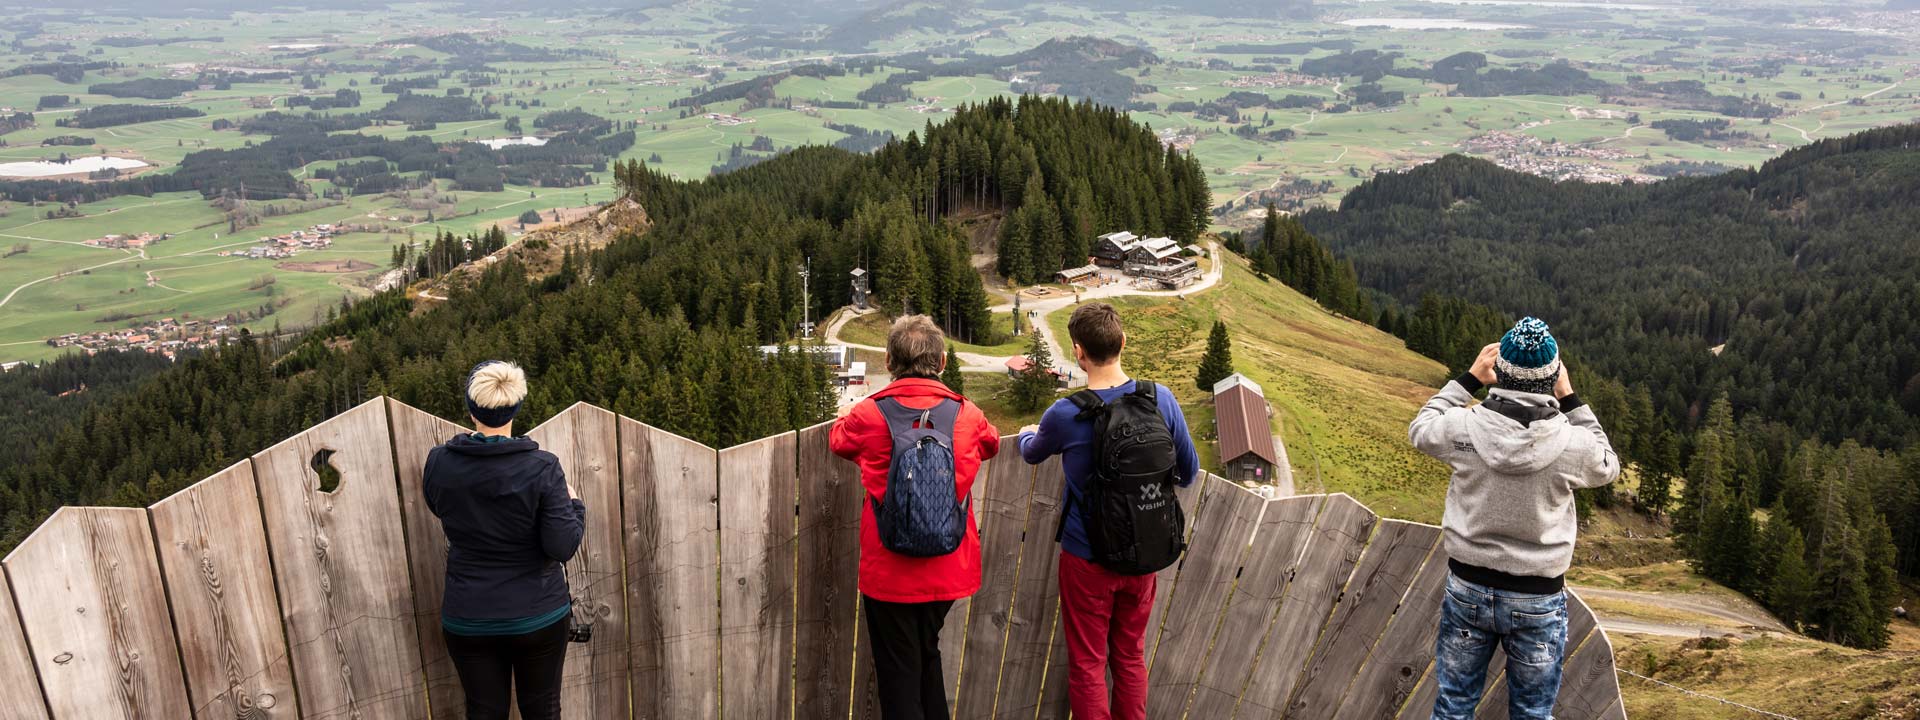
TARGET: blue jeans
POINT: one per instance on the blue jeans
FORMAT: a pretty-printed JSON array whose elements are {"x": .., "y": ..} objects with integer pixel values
[{"x": 1532, "y": 628}]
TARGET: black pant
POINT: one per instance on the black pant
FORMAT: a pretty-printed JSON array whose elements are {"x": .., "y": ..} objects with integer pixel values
[
  {"x": 490, "y": 667},
  {"x": 906, "y": 657}
]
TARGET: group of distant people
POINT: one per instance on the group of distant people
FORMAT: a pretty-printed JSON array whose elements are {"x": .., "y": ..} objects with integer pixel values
[{"x": 512, "y": 520}]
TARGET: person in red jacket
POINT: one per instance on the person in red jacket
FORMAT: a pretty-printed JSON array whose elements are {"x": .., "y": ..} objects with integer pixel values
[{"x": 905, "y": 599}]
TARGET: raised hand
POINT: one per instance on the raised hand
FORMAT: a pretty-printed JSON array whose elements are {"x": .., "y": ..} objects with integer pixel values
[{"x": 1482, "y": 369}]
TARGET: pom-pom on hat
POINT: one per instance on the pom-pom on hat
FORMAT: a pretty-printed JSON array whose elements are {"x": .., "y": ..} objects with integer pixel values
[
  {"x": 1529, "y": 358},
  {"x": 494, "y": 392}
]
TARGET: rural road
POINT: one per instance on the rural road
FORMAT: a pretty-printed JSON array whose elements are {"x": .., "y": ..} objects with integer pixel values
[{"x": 1721, "y": 615}]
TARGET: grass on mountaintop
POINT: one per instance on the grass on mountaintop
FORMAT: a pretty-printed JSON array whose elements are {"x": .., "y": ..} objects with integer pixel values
[{"x": 1341, "y": 390}]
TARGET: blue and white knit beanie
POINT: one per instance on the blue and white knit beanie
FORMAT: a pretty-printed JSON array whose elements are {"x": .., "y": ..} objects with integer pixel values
[{"x": 1529, "y": 358}]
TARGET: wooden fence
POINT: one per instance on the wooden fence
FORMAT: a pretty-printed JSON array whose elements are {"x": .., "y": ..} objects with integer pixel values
[{"x": 306, "y": 582}]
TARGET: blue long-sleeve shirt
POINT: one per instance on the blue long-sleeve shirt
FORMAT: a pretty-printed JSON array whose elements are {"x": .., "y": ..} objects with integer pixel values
[{"x": 1071, "y": 439}]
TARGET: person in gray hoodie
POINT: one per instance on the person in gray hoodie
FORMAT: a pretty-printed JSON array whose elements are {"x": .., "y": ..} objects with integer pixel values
[{"x": 1509, "y": 524}]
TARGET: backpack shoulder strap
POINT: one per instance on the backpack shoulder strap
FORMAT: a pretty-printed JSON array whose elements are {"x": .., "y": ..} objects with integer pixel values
[
  {"x": 899, "y": 417},
  {"x": 1089, "y": 403},
  {"x": 902, "y": 419},
  {"x": 1147, "y": 389}
]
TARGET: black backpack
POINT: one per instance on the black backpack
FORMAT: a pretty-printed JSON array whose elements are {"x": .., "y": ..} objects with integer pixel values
[
  {"x": 1134, "y": 523},
  {"x": 921, "y": 514}
]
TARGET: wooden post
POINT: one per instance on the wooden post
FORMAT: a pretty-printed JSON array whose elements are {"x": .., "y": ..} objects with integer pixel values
[
  {"x": 1003, "y": 518},
  {"x": 586, "y": 440},
  {"x": 90, "y": 599},
  {"x": 1036, "y": 597},
  {"x": 1277, "y": 543},
  {"x": 672, "y": 529},
  {"x": 341, "y": 568},
  {"x": 213, "y": 553},
  {"x": 1373, "y": 594},
  {"x": 830, "y": 499},
  {"x": 20, "y": 696},
  {"x": 1198, "y": 601},
  {"x": 756, "y": 578},
  {"x": 1400, "y": 659},
  {"x": 415, "y": 433},
  {"x": 1338, "y": 536}
]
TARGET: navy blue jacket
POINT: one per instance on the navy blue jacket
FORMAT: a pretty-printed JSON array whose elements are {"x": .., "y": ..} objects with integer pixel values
[{"x": 510, "y": 525}]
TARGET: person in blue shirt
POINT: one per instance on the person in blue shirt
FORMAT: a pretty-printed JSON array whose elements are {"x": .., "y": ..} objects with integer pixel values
[
  {"x": 511, "y": 520},
  {"x": 1104, "y": 613}
]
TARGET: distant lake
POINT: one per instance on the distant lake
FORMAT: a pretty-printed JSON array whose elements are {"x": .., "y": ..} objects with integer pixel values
[
  {"x": 503, "y": 142},
  {"x": 1561, "y": 4},
  {"x": 48, "y": 168},
  {"x": 1429, "y": 24}
]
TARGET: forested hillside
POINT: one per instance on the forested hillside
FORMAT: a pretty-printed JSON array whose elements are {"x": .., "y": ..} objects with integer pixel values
[
  {"x": 1756, "y": 333},
  {"x": 661, "y": 325}
]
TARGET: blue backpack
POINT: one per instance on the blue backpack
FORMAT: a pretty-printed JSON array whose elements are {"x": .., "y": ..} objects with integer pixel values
[{"x": 921, "y": 514}]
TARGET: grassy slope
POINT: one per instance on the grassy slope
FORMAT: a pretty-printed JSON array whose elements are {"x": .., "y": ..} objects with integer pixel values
[
  {"x": 1342, "y": 391},
  {"x": 1784, "y": 674},
  {"x": 1789, "y": 674}
]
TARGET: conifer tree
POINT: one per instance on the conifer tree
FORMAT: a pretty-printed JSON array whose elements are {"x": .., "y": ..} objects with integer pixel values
[
  {"x": 1217, "y": 363},
  {"x": 950, "y": 375},
  {"x": 1790, "y": 582},
  {"x": 1035, "y": 385}
]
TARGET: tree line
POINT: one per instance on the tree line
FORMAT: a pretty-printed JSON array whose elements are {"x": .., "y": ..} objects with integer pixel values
[{"x": 1755, "y": 333}]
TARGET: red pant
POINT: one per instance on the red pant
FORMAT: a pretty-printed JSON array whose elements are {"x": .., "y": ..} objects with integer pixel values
[{"x": 1105, "y": 616}]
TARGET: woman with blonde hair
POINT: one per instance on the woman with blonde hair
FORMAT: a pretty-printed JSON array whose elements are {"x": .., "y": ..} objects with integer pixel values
[{"x": 512, "y": 521}]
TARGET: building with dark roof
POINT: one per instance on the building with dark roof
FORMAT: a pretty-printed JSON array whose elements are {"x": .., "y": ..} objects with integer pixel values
[{"x": 1243, "y": 424}]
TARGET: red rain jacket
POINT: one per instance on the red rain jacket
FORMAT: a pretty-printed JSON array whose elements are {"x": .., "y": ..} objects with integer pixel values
[{"x": 861, "y": 436}]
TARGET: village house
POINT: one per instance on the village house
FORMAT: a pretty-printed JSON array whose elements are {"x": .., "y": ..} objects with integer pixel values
[
  {"x": 836, "y": 357},
  {"x": 1110, "y": 250},
  {"x": 1161, "y": 259},
  {"x": 1242, "y": 422},
  {"x": 126, "y": 242},
  {"x": 1080, "y": 274}
]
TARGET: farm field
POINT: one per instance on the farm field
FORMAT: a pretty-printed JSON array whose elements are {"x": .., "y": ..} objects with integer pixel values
[{"x": 1290, "y": 111}]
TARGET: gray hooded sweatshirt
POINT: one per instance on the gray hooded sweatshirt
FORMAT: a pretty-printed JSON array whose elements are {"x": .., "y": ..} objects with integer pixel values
[{"x": 1510, "y": 503}]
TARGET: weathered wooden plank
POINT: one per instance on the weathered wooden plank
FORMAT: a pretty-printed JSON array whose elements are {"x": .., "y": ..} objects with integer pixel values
[
  {"x": 828, "y": 583},
  {"x": 672, "y": 533},
  {"x": 1419, "y": 703},
  {"x": 91, "y": 602},
  {"x": 20, "y": 697},
  {"x": 1036, "y": 597},
  {"x": 1003, "y": 517},
  {"x": 1053, "y": 690},
  {"x": 1372, "y": 596},
  {"x": 1339, "y": 536},
  {"x": 1284, "y": 530},
  {"x": 756, "y": 578},
  {"x": 415, "y": 433},
  {"x": 586, "y": 439},
  {"x": 1615, "y": 711},
  {"x": 1198, "y": 603},
  {"x": 1192, "y": 498},
  {"x": 1589, "y": 687},
  {"x": 213, "y": 553},
  {"x": 340, "y": 564},
  {"x": 953, "y": 635},
  {"x": 1392, "y": 677}
]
